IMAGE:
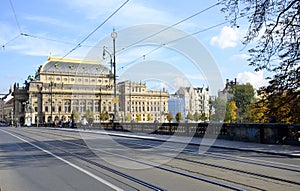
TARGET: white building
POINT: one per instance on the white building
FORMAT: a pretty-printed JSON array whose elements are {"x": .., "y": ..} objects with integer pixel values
[{"x": 196, "y": 99}]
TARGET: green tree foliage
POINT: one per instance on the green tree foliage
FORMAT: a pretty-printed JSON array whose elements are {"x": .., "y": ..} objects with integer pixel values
[
  {"x": 274, "y": 26},
  {"x": 196, "y": 116},
  {"x": 178, "y": 117},
  {"x": 259, "y": 112},
  {"x": 243, "y": 96},
  {"x": 75, "y": 115},
  {"x": 219, "y": 108},
  {"x": 230, "y": 114},
  {"x": 170, "y": 117},
  {"x": 138, "y": 117},
  {"x": 89, "y": 115},
  {"x": 104, "y": 116},
  {"x": 128, "y": 117},
  {"x": 149, "y": 117},
  {"x": 203, "y": 117},
  {"x": 190, "y": 116}
]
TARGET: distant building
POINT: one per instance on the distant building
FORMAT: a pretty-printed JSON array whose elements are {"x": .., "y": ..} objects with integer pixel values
[
  {"x": 6, "y": 108},
  {"x": 61, "y": 86},
  {"x": 135, "y": 100},
  {"x": 176, "y": 104},
  {"x": 196, "y": 99},
  {"x": 1, "y": 107},
  {"x": 226, "y": 93}
]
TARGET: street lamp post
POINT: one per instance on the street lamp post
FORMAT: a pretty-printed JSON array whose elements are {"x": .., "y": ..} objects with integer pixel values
[
  {"x": 100, "y": 105},
  {"x": 113, "y": 64},
  {"x": 114, "y": 36}
]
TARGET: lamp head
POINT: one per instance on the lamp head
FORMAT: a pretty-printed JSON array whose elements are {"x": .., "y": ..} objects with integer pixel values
[{"x": 114, "y": 35}]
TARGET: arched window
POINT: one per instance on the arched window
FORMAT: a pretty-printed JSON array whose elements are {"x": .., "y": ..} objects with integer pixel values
[
  {"x": 67, "y": 105},
  {"x": 82, "y": 107},
  {"x": 90, "y": 105}
]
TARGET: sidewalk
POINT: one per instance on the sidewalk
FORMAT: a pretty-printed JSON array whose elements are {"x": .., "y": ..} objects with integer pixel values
[{"x": 283, "y": 150}]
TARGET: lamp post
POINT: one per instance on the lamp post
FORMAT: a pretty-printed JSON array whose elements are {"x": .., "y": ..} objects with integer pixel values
[
  {"x": 114, "y": 36},
  {"x": 113, "y": 64},
  {"x": 100, "y": 105}
]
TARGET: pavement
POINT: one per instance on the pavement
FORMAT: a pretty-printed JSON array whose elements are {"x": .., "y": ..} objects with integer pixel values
[{"x": 273, "y": 149}]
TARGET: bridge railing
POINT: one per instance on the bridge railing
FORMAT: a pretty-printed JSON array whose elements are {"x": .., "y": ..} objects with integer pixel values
[{"x": 272, "y": 133}]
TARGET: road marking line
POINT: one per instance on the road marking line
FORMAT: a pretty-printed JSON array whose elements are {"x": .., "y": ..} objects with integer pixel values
[{"x": 69, "y": 163}]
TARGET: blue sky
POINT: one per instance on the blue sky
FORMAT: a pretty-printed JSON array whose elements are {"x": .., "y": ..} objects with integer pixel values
[{"x": 57, "y": 26}]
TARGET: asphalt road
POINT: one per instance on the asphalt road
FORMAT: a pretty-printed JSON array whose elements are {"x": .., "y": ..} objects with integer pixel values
[{"x": 37, "y": 159}]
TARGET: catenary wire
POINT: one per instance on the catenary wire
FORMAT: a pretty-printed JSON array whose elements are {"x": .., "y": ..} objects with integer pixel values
[
  {"x": 178, "y": 39},
  {"x": 173, "y": 25},
  {"x": 15, "y": 15},
  {"x": 11, "y": 40},
  {"x": 90, "y": 34}
]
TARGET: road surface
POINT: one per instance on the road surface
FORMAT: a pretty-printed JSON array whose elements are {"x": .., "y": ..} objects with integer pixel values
[{"x": 38, "y": 159}]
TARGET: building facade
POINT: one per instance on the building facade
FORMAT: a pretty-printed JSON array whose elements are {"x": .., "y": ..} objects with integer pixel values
[
  {"x": 6, "y": 108},
  {"x": 176, "y": 104},
  {"x": 196, "y": 99},
  {"x": 139, "y": 104},
  {"x": 226, "y": 93},
  {"x": 62, "y": 86}
]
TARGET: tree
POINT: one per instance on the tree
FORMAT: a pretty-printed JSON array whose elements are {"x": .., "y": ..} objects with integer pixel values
[
  {"x": 196, "y": 116},
  {"x": 149, "y": 117},
  {"x": 230, "y": 114},
  {"x": 178, "y": 117},
  {"x": 258, "y": 112},
  {"x": 219, "y": 108},
  {"x": 138, "y": 117},
  {"x": 89, "y": 115},
  {"x": 128, "y": 117},
  {"x": 274, "y": 25},
  {"x": 75, "y": 115},
  {"x": 190, "y": 116},
  {"x": 288, "y": 110},
  {"x": 203, "y": 117},
  {"x": 104, "y": 116},
  {"x": 170, "y": 117},
  {"x": 243, "y": 95}
]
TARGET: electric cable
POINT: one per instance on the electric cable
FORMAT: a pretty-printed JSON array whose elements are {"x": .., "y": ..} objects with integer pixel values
[
  {"x": 15, "y": 15},
  {"x": 181, "y": 38},
  {"x": 90, "y": 34},
  {"x": 171, "y": 26}
]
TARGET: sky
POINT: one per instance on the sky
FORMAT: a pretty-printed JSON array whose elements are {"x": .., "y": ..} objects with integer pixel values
[{"x": 33, "y": 30}]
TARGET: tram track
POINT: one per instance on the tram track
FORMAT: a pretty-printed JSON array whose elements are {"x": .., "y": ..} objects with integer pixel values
[
  {"x": 214, "y": 182},
  {"x": 176, "y": 168}
]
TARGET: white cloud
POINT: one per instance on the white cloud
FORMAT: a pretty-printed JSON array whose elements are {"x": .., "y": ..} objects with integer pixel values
[
  {"x": 228, "y": 37},
  {"x": 256, "y": 79},
  {"x": 240, "y": 57},
  {"x": 49, "y": 21},
  {"x": 37, "y": 47},
  {"x": 132, "y": 13}
]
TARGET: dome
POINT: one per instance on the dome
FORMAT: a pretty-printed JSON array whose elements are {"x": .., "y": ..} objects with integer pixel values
[{"x": 75, "y": 66}]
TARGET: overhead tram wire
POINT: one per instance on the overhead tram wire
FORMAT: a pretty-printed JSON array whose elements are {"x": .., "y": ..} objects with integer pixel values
[
  {"x": 49, "y": 39},
  {"x": 4, "y": 45},
  {"x": 90, "y": 34},
  {"x": 171, "y": 26},
  {"x": 18, "y": 25},
  {"x": 15, "y": 15},
  {"x": 178, "y": 39}
]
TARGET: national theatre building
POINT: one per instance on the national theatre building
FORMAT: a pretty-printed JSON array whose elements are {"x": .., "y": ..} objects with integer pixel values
[{"x": 60, "y": 86}]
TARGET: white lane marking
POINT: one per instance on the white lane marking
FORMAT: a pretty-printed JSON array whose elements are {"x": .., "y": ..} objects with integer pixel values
[{"x": 69, "y": 163}]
